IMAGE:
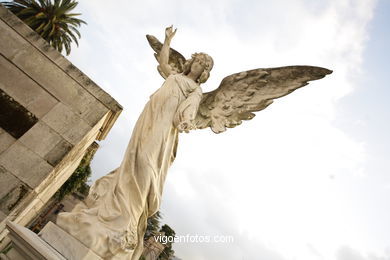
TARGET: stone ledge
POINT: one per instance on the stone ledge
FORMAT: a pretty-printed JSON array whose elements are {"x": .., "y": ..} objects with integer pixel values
[
  {"x": 65, "y": 244},
  {"x": 52, "y": 243},
  {"x": 29, "y": 245}
]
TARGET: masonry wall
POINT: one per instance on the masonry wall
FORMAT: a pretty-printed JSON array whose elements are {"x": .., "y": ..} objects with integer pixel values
[{"x": 50, "y": 112}]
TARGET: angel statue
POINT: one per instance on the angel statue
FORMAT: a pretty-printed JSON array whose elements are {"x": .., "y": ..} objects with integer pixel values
[{"x": 113, "y": 218}]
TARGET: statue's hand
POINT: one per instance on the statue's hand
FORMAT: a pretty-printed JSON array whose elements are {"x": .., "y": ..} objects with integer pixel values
[
  {"x": 185, "y": 126},
  {"x": 169, "y": 32}
]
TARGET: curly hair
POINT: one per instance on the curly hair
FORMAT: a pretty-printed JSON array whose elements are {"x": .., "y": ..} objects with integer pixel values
[{"x": 203, "y": 59}]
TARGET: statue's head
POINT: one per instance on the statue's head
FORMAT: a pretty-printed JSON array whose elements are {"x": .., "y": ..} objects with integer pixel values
[{"x": 199, "y": 61}]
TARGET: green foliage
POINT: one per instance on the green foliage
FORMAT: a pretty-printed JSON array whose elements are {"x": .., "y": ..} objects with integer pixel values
[
  {"x": 49, "y": 19},
  {"x": 168, "y": 231},
  {"x": 168, "y": 252},
  {"x": 77, "y": 181},
  {"x": 153, "y": 225},
  {"x": 153, "y": 228}
]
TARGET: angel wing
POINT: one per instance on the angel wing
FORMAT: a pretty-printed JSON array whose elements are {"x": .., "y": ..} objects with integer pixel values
[
  {"x": 176, "y": 60},
  {"x": 241, "y": 94}
]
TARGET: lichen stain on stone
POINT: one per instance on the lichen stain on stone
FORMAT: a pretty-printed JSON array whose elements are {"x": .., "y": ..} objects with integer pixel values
[
  {"x": 71, "y": 67},
  {"x": 46, "y": 47},
  {"x": 13, "y": 198},
  {"x": 31, "y": 34},
  {"x": 22, "y": 192}
]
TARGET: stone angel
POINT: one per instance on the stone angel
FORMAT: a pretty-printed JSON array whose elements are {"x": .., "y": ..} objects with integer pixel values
[
  {"x": 113, "y": 219},
  {"x": 239, "y": 94}
]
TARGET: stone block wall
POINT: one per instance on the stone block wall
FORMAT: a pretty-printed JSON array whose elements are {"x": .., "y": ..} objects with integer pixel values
[{"x": 50, "y": 112}]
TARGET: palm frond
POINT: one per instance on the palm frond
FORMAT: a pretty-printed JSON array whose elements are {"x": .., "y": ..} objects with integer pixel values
[{"x": 51, "y": 19}]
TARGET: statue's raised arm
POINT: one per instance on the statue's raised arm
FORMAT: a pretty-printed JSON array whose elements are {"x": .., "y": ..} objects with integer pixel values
[{"x": 170, "y": 61}]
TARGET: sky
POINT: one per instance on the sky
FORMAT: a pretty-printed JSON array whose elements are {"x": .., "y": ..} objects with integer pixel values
[{"x": 308, "y": 177}]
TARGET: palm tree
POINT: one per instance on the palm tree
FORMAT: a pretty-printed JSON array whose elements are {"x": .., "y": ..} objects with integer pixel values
[{"x": 49, "y": 19}]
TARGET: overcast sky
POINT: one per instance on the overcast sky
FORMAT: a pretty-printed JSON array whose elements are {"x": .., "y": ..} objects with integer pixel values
[{"x": 307, "y": 178}]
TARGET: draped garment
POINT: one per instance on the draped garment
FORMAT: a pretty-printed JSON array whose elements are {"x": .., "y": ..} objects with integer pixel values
[{"x": 113, "y": 218}]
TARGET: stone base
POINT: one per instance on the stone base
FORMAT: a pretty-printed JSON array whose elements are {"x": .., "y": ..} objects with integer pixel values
[{"x": 52, "y": 243}]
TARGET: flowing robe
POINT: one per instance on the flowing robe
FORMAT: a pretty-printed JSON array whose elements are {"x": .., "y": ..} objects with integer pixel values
[{"x": 113, "y": 219}]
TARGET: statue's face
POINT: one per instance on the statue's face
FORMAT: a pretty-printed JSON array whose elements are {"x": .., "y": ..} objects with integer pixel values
[{"x": 197, "y": 68}]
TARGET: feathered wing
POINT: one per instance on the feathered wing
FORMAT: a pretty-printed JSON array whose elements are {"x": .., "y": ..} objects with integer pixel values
[
  {"x": 176, "y": 60},
  {"x": 241, "y": 94}
]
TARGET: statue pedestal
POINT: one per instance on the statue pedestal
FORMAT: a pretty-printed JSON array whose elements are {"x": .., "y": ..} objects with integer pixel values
[{"x": 51, "y": 243}]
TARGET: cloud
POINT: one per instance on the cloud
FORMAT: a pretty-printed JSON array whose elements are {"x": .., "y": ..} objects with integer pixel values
[
  {"x": 348, "y": 253},
  {"x": 196, "y": 214}
]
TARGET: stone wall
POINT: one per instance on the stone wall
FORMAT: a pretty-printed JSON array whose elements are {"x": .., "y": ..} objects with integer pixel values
[{"x": 50, "y": 113}]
